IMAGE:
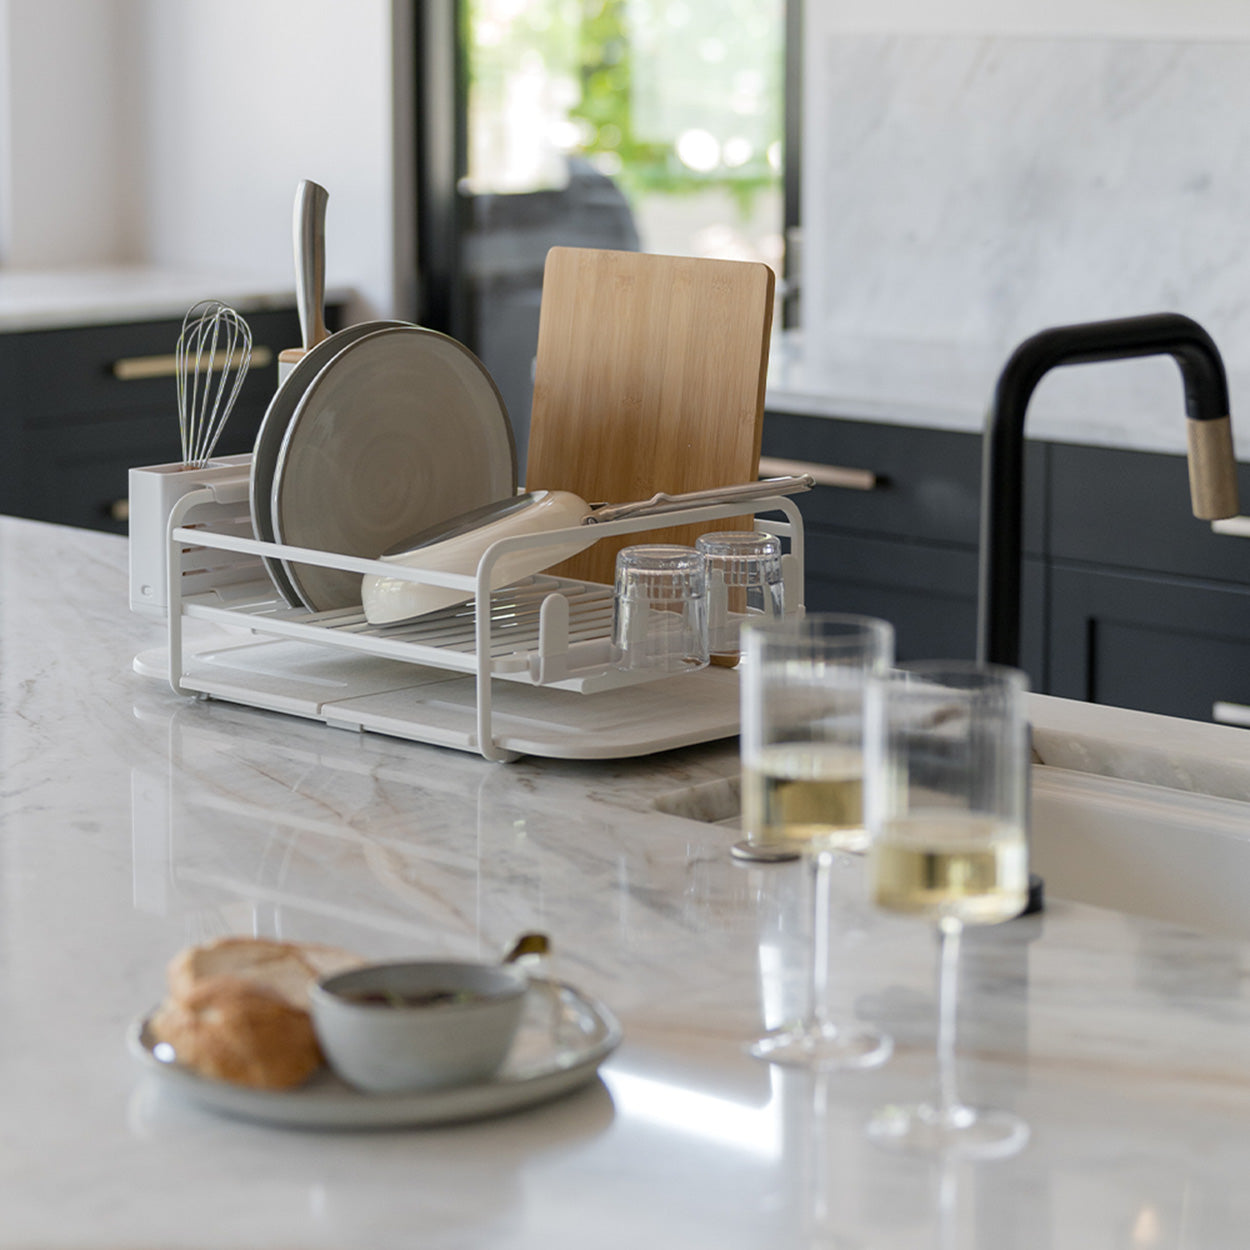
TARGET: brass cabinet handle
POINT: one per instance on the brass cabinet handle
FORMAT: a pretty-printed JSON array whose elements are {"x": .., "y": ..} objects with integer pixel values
[
  {"x": 1234, "y": 526},
  {"x": 137, "y": 368},
  {"x": 1231, "y": 713},
  {"x": 119, "y": 510},
  {"x": 823, "y": 474}
]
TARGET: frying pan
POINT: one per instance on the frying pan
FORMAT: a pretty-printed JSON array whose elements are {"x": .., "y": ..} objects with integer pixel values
[
  {"x": 273, "y": 429},
  {"x": 403, "y": 429}
]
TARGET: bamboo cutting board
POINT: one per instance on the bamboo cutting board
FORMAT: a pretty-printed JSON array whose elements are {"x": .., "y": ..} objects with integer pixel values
[{"x": 650, "y": 376}]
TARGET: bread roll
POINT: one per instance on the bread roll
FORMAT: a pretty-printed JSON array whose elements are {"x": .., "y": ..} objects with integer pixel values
[
  {"x": 237, "y": 1009},
  {"x": 285, "y": 969},
  {"x": 234, "y": 1030}
]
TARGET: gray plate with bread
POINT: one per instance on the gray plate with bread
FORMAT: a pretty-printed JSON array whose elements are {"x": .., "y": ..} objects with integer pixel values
[{"x": 234, "y": 1036}]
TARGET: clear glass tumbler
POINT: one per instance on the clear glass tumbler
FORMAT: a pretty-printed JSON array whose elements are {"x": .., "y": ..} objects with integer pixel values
[
  {"x": 744, "y": 583},
  {"x": 659, "y": 617}
]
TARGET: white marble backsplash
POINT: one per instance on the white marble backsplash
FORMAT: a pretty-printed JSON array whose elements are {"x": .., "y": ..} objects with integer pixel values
[{"x": 962, "y": 192}]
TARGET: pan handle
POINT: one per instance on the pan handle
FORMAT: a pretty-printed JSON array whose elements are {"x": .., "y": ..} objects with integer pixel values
[{"x": 662, "y": 502}]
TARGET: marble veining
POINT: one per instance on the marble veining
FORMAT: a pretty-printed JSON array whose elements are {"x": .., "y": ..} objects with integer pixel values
[
  {"x": 962, "y": 192},
  {"x": 133, "y": 821}
]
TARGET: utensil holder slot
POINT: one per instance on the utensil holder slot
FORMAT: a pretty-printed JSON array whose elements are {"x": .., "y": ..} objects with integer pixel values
[{"x": 543, "y": 631}]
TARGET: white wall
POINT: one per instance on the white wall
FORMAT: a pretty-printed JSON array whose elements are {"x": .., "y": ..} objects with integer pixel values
[
  {"x": 68, "y": 157},
  {"x": 176, "y": 133},
  {"x": 244, "y": 99}
]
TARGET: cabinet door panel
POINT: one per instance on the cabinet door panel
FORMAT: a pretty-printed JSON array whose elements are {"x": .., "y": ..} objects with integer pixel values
[
  {"x": 79, "y": 475},
  {"x": 928, "y": 482},
  {"x": 1131, "y": 509},
  {"x": 70, "y": 428},
  {"x": 1151, "y": 643},
  {"x": 69, "y": 375},
  {"x": 928, "y": 593}
]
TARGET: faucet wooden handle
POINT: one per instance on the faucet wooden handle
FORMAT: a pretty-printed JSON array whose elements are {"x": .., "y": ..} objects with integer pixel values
[{"x": 1212, "y": 469}]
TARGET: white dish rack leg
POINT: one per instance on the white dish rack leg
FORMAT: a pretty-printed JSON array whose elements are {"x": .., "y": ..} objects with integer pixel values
[{"x": 544, "y": 635}]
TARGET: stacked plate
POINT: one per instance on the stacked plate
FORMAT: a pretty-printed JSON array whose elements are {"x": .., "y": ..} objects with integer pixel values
[{"x": 381, "y": 431}]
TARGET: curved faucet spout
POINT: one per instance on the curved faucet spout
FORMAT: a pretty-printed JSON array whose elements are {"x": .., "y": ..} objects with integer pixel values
[{"x": 1212, "y": 466}]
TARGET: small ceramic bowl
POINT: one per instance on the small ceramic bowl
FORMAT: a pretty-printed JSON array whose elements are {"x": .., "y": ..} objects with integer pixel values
[{"x": 385, "y": 1028}]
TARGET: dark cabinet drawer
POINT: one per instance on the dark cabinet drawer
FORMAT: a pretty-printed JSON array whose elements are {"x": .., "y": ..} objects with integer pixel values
[
  {"x": 1152, "y": 643},
  {"x": 1131, "y": 509},
  {"x": 79, "y": 474},
  {"x": 1128, "y": 600},
  {"x": 928, "y": 593},
  {"x": 924, "y": 483},
  {"x": 76, "y": 374},
  {"x": 71, "y": 428}
]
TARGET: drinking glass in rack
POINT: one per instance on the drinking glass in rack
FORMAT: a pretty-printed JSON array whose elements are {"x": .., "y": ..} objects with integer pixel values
[
  {"x": 659, "y": 610},
  {"x": 744, "y": 581}
]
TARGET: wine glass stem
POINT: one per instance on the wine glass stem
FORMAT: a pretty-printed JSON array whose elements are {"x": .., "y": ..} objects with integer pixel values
[
  {"x": 822, "y": 885},
  {"x": 950, "y": 931}
]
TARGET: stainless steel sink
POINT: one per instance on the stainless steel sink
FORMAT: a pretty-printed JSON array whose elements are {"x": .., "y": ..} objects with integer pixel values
[
  {"x": 1143, "y": 849},
  {"x": 717, "y": 802},
  {"x": 1153, "y": 821}
]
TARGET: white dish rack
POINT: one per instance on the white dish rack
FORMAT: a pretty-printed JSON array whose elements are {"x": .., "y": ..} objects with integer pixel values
[{"x": 526, "y": 670}]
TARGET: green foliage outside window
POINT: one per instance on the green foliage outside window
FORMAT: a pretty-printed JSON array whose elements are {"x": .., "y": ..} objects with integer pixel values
[{"x": 638, "y": 83}]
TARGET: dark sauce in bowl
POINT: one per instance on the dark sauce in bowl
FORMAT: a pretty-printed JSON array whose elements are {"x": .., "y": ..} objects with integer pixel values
[{"x": 422, "y": 998}]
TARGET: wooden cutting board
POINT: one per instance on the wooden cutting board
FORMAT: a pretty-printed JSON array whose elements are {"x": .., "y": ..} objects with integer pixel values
[{"x": 650, "y": 376}]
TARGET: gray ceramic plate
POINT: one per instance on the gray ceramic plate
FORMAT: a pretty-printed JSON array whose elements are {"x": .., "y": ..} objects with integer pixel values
[
  {"x": 402, "y": 429},
  {"x": 564, "y": 1037},
  {"x": 272, "y": 431}
]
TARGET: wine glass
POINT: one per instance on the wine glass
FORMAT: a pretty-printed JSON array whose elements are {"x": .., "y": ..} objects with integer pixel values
[
  {"x": 946, "y": 795},
  {"x": 802, "y": 785}
]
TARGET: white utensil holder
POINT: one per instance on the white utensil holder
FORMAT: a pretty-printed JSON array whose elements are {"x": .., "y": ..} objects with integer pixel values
[
  {"x": 153, "y": 493},
  {"x": 194, "y": 557}
]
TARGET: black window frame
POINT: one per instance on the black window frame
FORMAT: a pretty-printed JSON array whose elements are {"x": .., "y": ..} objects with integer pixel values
[{"x": 440, "y": 129}]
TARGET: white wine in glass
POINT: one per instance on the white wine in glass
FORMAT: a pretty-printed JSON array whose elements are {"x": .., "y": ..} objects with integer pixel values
[
  {"x": 803, "y": 681},
  {"x": 806, "y": 793},
  {"x": 946, "y": 748},
  {"x": 973, "y": 868}
]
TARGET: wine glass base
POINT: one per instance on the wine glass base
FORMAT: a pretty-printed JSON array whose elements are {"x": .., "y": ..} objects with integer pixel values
[
  {"x": 824, "y": 1047},
  {"x": 964, "y": 1132}
]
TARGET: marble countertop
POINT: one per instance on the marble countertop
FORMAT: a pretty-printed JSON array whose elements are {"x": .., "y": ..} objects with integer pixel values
[
  {"x": 56, "y": 298},
  {"x": 1134, "y": 404},
  {"x": 135, "y": 821}
]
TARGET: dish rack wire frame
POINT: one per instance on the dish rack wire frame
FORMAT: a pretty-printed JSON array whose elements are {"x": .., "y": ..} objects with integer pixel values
[{"x": 548, "y": 665}]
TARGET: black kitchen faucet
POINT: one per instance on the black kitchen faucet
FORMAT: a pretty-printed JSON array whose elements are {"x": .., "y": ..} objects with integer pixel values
[{"x": 1212, "y": 467}]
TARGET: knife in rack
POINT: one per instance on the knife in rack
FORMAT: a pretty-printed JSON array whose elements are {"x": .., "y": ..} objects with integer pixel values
[{"x": 310, "y": 271}]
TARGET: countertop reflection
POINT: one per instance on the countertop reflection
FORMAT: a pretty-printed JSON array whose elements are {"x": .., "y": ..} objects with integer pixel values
[{"x": 135, "y": 822}]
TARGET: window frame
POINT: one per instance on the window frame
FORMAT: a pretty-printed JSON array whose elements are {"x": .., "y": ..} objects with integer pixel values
[{"x": 440, "y": 130}]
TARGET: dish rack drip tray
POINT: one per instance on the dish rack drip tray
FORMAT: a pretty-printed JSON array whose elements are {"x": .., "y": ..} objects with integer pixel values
[
  {"x": 437, "y": 706},
  {"x": 527, "y": 669}
]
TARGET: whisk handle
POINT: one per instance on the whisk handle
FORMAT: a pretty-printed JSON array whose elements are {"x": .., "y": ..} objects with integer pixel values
[{"x": 310, "y": 261}]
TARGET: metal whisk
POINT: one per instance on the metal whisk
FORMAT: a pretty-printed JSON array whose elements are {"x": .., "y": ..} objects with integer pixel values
[{"x": 213, "y": 355}]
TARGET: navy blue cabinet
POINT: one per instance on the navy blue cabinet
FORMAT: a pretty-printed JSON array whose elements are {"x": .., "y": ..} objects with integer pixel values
[
  {"x": 1127, "y": 600},
  {"x": 81, "y": 406},
  {"x": 899, "y": 539},
  {"x": 1149, "y": 608}
]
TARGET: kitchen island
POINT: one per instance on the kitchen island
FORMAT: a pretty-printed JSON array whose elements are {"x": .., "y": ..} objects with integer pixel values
[{"x": 135, "y": 821}]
